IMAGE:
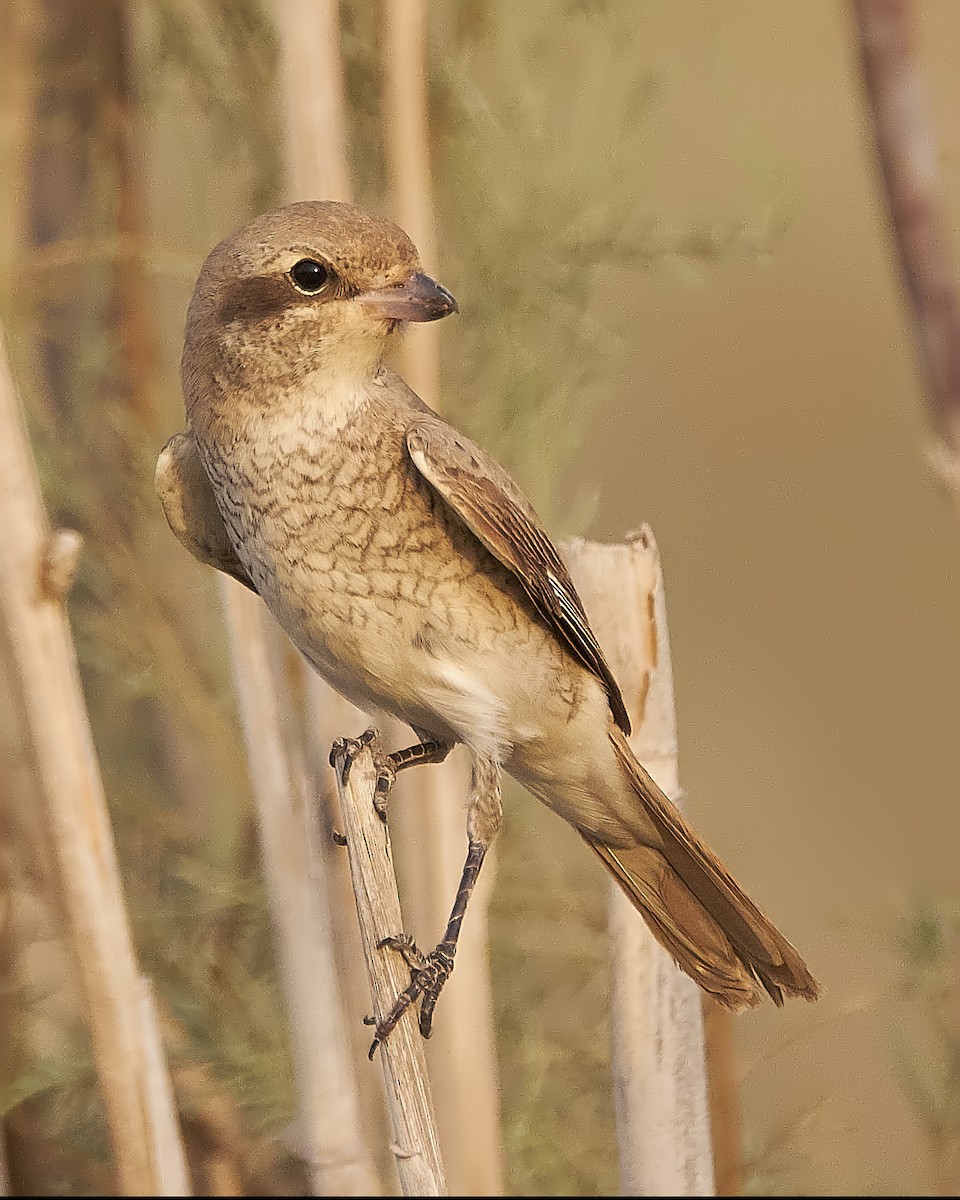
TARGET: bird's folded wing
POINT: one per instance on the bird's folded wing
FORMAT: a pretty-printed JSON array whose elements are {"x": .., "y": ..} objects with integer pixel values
[
  {"x": 484, "y": 496},
  {"x": 190, "y": 509}
]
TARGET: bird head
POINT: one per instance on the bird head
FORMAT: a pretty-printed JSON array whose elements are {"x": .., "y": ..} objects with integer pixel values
[{"x": 315, "y": 287}]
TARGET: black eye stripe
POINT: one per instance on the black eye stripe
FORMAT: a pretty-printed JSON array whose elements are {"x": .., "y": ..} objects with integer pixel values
[{"x": 310, "y": 276}]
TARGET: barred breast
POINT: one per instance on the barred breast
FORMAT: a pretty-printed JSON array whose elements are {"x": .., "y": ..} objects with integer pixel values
[{"x": 377, "y": 581}]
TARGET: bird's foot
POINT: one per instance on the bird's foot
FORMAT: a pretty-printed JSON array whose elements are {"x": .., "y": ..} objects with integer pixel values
[
  {"x": 428, "y": 974},
  {"x": 344, "y": 751}
]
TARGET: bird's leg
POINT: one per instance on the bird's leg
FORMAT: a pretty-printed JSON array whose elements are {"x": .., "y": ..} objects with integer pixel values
[
  {"x": 427, "y": 750},
  {"x": 429, "y": 972}
]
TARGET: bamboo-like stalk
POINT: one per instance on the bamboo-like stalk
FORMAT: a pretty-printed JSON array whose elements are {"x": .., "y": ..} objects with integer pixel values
[
  {"x": 415, "y": 1143},
  {"x": 299, "y": 902},
  {"x": 428, "y": 811},
  {"x": 163, "y": 1127},
  {"x": 660, "y": 1097},
  {"x": 35, "y": 572}
]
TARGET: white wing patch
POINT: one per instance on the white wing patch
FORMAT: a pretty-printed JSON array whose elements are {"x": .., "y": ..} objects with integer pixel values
[
  {"x": 419, "y": 458},
  {"x": 563, "y": 598}
]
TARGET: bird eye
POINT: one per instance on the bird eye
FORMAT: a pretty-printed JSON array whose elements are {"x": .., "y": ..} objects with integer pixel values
[{"x": 310, "y": 276}]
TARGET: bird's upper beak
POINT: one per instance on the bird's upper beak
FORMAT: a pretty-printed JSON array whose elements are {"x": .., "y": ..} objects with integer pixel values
[{"x": 418, "y": 298}]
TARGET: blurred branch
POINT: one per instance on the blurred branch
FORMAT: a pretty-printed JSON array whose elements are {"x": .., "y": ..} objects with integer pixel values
[
  {"x": 125, "y": 1041},
  {"x": 120, "y": 248},
  {"x": 415, "y": 1143},
  {"x": 663, "y": 1128},
  {"x": 315, "y": 128},
  {"x": 163, "y": 1127},
  {"x": 406, "y": 148},
  {"x": 429, "y": 824},
  {"x": 127, "y": 312},
  {"x": 903, "y": 130}
]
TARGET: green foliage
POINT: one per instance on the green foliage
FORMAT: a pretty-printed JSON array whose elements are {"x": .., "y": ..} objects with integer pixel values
[
  {"x": 927, "y": 1040},
  {"x": 225, "y": 54},
  {"x": 533, "y": 161},
  {"x": 548, "y": 942}
]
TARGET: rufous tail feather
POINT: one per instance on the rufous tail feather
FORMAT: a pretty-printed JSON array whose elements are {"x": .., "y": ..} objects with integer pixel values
[{"x": 695, "y": 908}]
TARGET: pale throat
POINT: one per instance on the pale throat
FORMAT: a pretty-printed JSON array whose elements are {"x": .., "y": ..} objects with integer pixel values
[
  {"x": 328, "y": 399},
  {"x": 317, "y": 381}
]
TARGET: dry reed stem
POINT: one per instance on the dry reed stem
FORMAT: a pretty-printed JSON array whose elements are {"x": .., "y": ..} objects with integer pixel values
[
  {"x": 660, "y": 1094},
  {"x": 163, "y": 1127},
  {"x": 415, "y": 1145},
  {"x": 329, "y": 1125},
  {"x": 125, "y": 1042}
]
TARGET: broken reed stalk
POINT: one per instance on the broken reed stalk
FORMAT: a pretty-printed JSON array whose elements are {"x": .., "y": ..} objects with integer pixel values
[
  {"x": 36, "y": 569},
  {"x": 415, "y": 1144},
  {"x": 899, "y": 108},
  {"x": 293, "y": 867},
  {"x": 660, "y": 1091},
  {"x": 429, "y": 824}
]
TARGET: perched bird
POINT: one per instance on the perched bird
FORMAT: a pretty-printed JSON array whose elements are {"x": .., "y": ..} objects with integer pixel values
[{"x": 411, "y": 572}]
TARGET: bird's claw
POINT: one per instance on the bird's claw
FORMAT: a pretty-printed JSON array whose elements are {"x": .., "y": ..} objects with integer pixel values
[
  {"x": 407, "y": 948},
  {"x": 428, "y": 974},
  {"x": 386, "y": 778},
  {"x": 345, "y": 750}
]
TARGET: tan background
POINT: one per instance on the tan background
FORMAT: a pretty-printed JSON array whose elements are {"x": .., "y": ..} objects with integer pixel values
[
  {"x": 772, "y": 430},
  {"x": 770, "y": 425}
]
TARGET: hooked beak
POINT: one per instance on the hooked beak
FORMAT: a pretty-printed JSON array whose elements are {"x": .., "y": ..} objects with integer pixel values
[{"x": 418, "y": 298}]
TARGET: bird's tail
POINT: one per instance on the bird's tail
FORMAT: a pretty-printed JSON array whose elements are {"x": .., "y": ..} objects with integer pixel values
[{"x": 696, "y": 910}]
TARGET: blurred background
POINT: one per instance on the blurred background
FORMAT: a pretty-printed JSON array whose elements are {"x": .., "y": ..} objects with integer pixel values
[{"x": 680, "y": 305}]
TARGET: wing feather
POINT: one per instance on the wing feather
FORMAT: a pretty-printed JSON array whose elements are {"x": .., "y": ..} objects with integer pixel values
[
  {"x": 191, "y": 511},
  {"x": 484, "y": 496}
]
